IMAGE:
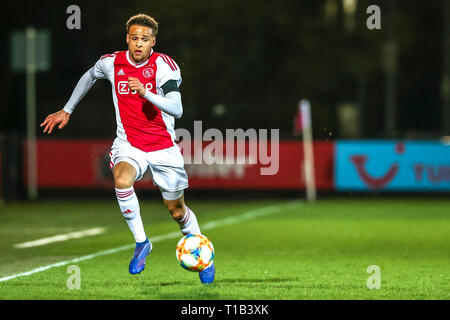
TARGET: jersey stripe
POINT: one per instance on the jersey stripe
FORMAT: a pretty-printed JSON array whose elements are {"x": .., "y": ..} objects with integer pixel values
[
  {"x": 169, "y": 61},
  {"x": 107, "y": 55},
  {"x": 166, "y": 60}
]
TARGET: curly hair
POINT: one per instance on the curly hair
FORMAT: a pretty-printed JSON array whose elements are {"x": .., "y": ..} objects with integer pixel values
[{"x": 144, "y": 20}]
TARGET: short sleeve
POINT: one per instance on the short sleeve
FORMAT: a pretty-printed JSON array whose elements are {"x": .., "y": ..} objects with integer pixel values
[{"x": 167, "y": 69}]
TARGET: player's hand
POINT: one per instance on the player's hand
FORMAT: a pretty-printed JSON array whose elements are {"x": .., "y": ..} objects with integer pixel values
[
  {"x": 135, "y": 84},
  {"x": 61, "y": 117}
]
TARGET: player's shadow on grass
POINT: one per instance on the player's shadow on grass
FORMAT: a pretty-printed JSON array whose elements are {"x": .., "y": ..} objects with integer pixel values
[
  {"x": 170, "y": 283},
  {"x": 297, "y": 283},
  {"x": 259, "y": 280},
  {"x": 191, "y": 291},
  {"x": 293, "y": 284}
]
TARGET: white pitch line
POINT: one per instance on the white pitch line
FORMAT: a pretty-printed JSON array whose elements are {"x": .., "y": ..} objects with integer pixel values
[
  {"x": 207, "y": 226},
  {"x": 60, "y": 237}
]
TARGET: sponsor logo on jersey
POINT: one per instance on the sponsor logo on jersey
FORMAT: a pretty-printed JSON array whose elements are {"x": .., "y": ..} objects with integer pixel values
[
  {"x": 121, "y": 73},
  {"x": 122, "y": 87}
]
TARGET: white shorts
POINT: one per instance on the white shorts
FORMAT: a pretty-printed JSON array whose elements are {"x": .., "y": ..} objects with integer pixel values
[{"x": 166, "y": 166}]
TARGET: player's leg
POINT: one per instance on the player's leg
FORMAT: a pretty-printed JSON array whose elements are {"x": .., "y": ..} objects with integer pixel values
[
  {"x": 168, "y": 173},
  {"x": 128, "y": 166},
  {"x": 124, "y": 177},
  {"x": 167, "y": 167},
  {"x": 181, "y": 213},
  {"x": 187, "y": 220}
]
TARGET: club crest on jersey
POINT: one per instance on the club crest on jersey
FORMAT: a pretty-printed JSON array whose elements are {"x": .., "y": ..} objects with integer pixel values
[{"x": 148, "y": 72}]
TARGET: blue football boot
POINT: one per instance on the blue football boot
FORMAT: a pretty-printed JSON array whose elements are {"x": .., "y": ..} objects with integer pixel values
[
  {"x": 207, "y": 275},
  {"x": 137, "y": 263}
]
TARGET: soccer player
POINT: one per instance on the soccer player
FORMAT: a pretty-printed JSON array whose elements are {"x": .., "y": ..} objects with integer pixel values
[{"x": 147, "y": 99}]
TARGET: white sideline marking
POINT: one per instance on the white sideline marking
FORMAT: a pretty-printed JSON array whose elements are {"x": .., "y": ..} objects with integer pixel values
[
  {"x": 207, "y": 226},
  {"x": 60, "y": 237}
]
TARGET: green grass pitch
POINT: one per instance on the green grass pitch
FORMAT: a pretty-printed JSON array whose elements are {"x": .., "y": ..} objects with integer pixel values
[{"x": 265, "y": 249}]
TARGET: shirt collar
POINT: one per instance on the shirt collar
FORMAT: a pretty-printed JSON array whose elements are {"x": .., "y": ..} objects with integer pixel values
[{"x": 138, "y": 65}]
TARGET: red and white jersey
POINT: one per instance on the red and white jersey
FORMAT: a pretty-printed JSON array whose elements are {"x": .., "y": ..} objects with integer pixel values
[{"x": 139, "y": 122}]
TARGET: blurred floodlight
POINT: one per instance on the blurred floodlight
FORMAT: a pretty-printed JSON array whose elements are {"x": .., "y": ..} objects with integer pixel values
[
  {"x": 446, "y": 140},
  {"x": 348, "y": 118},
  {"x": 331, "y": 11},
  {"x": 18, "y": 49},
  {"x": 219, "y": 110},
  {"x": 349, "y": 7}
]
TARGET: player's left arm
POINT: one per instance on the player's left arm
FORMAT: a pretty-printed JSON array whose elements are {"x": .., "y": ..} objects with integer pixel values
[
  {"x": 170, "y": 103},
  {"x": 168, "y": 80}
]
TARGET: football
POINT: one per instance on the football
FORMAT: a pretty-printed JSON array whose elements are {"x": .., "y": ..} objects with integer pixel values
[{"x": 195, "y": 252}]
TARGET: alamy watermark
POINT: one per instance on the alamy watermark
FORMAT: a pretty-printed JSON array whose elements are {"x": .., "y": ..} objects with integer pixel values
[
  {"x": 74, "y": 20},
  {"x": 231, "y": 148},
  {"x": 374, "y": 280},
  {"x": 374, "y": 20},
  {"x": 74, "y": 280}
]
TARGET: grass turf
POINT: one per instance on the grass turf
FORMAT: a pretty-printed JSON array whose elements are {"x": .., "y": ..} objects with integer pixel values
[{"x": 296, "y": 251}]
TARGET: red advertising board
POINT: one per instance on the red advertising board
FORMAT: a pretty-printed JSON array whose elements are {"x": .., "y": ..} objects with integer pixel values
[{"x": 85, "y": 164}]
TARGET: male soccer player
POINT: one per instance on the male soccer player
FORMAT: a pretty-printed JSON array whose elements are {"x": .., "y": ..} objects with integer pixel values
[{"x": 146, "y": 96}]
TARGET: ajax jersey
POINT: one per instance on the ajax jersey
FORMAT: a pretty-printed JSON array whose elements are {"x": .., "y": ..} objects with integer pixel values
[{"x": 139, "y": 122}]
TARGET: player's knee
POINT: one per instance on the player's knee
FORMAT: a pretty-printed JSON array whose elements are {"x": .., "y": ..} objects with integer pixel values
[
  {"x": 176, "y": 211},
  {"x": 123, "y": 182},
  {"x": 124, "y": 175}
]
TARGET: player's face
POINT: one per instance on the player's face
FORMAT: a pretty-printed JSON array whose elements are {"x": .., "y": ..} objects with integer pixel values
[{"x": 140, "y": 42}]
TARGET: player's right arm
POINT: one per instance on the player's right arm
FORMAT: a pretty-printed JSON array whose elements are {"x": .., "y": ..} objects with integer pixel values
[{"x": 61, "y": 118}]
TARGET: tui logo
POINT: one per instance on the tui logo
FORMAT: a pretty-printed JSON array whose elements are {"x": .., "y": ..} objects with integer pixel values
[{"x": 359, "y": 161}]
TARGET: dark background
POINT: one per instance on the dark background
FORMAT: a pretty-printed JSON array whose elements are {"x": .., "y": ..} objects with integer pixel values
[{"x": 257, "y": 58}]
